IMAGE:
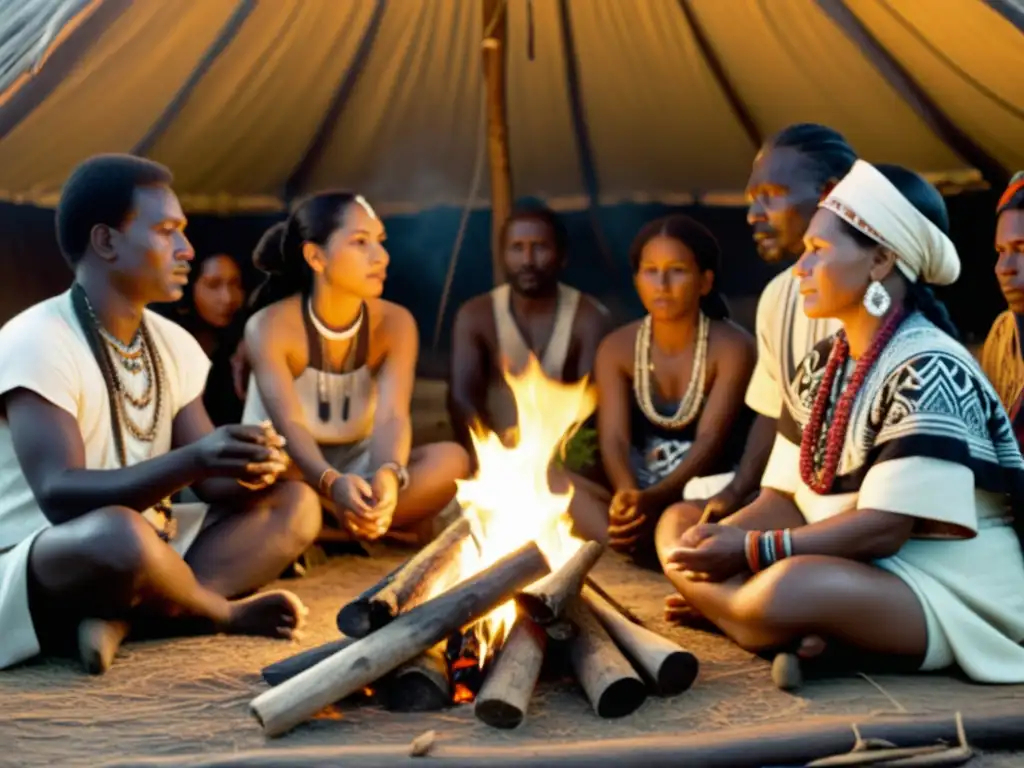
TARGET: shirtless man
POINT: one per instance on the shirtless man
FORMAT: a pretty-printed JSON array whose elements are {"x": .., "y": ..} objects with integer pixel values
[
  {"x": 532, "y": 313},
  {"x": 102, "y": 420}
]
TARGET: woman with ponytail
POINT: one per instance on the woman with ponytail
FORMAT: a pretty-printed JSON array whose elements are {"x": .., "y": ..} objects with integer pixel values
[
  {"x": 671, "y": 418},
  {"x": 334, "y": 367},
  {"x": 882, "y": 529}
]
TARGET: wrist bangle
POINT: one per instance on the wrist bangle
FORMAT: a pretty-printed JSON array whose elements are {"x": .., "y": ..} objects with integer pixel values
[
  {"x": 327, "y": 479},
  {"x": 401, "y": 473}
]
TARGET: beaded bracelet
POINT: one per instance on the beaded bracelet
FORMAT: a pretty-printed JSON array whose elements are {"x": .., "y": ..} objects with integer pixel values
[{"x": 767, "y": 548}]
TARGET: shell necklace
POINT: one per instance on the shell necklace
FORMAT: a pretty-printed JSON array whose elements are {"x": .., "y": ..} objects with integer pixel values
[{"x": 689, "y": 406}]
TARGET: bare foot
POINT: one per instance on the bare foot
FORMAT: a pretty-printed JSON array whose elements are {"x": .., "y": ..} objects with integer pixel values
[
  {"x": 811, "y": 647},
  {"x": 268, "y": 614},
  {"x": 678, "y": 611}
]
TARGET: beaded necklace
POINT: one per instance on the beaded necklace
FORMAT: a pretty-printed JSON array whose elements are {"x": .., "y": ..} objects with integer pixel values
[
  {"x": 818, "y": 467},
  {"x": 96, "y": 336},
  {"x": 643, "y": 367}
]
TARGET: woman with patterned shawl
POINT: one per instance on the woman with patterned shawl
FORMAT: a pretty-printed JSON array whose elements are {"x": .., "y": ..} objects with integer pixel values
[
  {"x": 1002, "y": 359},
  {"x": 884, "y": 525}
]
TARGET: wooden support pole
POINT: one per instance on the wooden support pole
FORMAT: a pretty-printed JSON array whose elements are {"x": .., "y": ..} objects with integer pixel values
[
  {"x": 286, "y": 669},
  {"x": 495, "y": 20},
  {"x": 612, "y": 685},
  {"x": 545, "y": 600},
  {"x": 405, "y": 587},
  {"x": 669, "y": 667},
  {"x": 503, "y": 700},
  {"x": 420, "y": 685},
  {"x": 282, "y": 708}
]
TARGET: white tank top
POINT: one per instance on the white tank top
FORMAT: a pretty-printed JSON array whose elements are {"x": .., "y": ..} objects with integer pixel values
[{"x": 338, "y": 406}]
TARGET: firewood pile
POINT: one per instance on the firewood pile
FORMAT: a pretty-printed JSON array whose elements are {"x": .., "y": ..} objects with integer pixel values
[{"x": 413, "y": 648}]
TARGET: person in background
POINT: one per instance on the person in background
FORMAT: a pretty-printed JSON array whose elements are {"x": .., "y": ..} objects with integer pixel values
[
  {"x": 334, "y": 367},
  {"x": 210, "y": 310},
  {"x": 1002, "y": 358},
  {"x": 882, "y": 532},
  {"x": 532, "y": 314},
  {"x": 102, "y": 421},
  {"x": 671, "y": 418}
]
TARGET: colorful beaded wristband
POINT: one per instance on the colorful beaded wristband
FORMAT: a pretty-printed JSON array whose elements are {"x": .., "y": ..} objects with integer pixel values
[{"x": 767, "y": 548}]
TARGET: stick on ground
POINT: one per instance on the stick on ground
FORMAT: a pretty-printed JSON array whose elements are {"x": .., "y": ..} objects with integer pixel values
[
  {"x": 612, "y": 685},
  {"x": 505, "y": 696},
  {"x": 671, "y": 668}
]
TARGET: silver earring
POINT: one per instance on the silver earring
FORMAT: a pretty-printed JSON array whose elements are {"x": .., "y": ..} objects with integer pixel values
[{"x": 876, "y": 299}]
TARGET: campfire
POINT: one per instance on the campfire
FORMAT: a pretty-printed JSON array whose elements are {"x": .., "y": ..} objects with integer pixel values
[{"x": 470, "y": 616}]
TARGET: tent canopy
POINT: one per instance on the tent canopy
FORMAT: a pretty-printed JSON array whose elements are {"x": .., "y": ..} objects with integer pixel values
[{"x": 253, "y": 101}]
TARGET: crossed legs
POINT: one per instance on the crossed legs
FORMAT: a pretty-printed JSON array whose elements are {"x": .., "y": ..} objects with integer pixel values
[
  {"x": 111, "y": 565},
  {"x": 852, "y": 604}
]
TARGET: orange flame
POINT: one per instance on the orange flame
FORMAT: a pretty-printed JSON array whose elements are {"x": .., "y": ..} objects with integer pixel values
[{"x": 510, "y": 502}]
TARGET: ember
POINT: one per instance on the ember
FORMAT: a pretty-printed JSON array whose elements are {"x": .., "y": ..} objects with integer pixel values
[{"x": 466, "y": 664}]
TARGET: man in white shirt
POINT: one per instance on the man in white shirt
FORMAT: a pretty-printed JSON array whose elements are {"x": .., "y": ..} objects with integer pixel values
[
  {"x": 102, "y": 421},
  {"x": 794, "y": 170}
]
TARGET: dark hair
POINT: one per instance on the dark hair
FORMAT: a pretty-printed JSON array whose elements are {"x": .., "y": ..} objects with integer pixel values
[
  {"x": 279, "y": 251},
  {"x": 544, "y": 215},
  {"x": 1013, "y": 196},
  {"x": 829, "y": 154},
  {"x": 700, "y": 241},
  {"x": 928, "y": 201},
  {"x": 101, "y": 190}
]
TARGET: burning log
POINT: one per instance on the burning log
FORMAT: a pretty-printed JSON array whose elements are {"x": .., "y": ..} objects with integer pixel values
[
  {"x": 466, "y": 667},
  {"x": 286, "y": 669},
  {"x": 282, "y": 708},
  {"x": 671, "y": 668},
  {"x": 407, "y": 586},
  {"x": 505, "y": 696},
  {"x": 609, "y": 680},
  {"x": 545, "y": 601},
  {"x": 421, "y": 685}
]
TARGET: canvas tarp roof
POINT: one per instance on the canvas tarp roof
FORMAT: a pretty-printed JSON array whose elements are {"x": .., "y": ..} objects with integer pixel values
[{"x": 252, "y": 101}]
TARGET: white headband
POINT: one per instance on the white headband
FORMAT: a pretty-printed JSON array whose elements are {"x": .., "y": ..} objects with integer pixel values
[{"x": 869, "y": 202}]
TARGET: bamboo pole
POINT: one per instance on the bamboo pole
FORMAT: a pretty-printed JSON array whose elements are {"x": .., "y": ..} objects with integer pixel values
[
  {"x": 610, "y": 682},
  {"x": 505, "y": 695},
  {"x": 494, "y": 45},
  {"x": 545, "y": 600},
  {"x": 671, "y": 668},
  {"x": 282, "y": 708}
]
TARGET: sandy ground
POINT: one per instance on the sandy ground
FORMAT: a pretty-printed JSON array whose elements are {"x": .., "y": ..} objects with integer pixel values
[{"x": 188, "y": 697}]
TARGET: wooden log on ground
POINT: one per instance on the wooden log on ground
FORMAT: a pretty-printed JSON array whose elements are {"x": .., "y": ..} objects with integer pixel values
[
  {"x": 411, "y": 586},
  {"x": 405, "y": 586},
  {"x": 612, "y": 685},
  {"x": 354, "y": 618},
  {"x": 593, "y": 583},
  {"x": 545, "y": 601},
  {"x": 505, "y": 696},
  {"x": 282, "y": 708},
  {"x": 670, "y": 668},
  {"x": 286, "y": 669},
  {"x": 420, "y": 685}
]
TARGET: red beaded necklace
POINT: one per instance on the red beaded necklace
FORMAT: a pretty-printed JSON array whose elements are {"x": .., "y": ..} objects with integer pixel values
[{"x": 820, "y": 481}]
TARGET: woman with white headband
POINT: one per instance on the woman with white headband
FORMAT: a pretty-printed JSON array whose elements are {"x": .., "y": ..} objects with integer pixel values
[
  {"x": 882, "y": 531},
  {"x": 333, "y": 369}
]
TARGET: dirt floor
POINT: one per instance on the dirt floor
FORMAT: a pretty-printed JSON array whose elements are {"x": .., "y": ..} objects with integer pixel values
[{"x": 182, "y": 699}]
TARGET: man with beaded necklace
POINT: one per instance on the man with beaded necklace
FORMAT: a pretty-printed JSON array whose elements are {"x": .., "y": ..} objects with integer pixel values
[{"x": 102, "y": 421}]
